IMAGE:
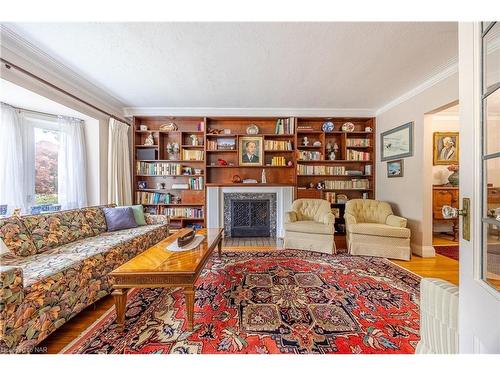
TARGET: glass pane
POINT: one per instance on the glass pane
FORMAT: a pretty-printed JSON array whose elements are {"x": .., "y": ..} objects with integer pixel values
[
  {"x": 491, "y": 57},
  {"x": 491, "y": 228},
  {"x": 46, "y": 158},
  {"x": 492, "y": 123},
  {"x": 491, "y": 258}
]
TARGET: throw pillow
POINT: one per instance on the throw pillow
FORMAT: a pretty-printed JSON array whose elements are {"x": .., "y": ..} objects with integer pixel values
[
  {"x": 139, "y": 214},
  {"x": 119, "y": 218}
]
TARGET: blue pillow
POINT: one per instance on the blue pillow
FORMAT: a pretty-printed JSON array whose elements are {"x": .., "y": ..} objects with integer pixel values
[{"x": 118, "y": 218}]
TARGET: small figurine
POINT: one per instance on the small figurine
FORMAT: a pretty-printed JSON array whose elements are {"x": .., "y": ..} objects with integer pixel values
[
  {"x": 194, "y": 140},
  {"x": 263, "y": 177},
  {"x": 311, "y": 185},
  {"x": 150, "y": 141},
  {"x": 320, "y": 186},
  {"x": 305, "y": 141}
]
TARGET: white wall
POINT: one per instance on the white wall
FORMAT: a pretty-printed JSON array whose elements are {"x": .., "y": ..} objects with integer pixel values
[{"x": 409, "y": 195}]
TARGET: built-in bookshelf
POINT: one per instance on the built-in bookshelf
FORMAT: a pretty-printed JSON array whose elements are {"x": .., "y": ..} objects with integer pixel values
[
  {"x": 170, "y": 175},
  {"x": 335, "y": 164},
  {"x": 205, "y": 151}
]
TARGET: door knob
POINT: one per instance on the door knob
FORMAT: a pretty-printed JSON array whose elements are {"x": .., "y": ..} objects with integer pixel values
[{"x": 449, "y": 212}]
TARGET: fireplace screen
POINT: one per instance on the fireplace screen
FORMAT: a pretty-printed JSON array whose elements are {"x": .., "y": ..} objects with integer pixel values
[{"x": 250, "y": 218}]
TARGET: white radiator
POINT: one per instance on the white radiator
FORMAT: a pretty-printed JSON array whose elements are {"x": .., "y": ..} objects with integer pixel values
[{"x": 438, "y": 317}]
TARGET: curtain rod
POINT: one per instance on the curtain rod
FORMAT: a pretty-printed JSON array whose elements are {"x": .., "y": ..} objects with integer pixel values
[
  {"x": 9, "y": 65},
  {"x": 41, "y": 113}
]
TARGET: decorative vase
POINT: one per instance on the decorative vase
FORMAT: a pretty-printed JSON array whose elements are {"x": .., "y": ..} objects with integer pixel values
[{"x": 453, "y": 178}]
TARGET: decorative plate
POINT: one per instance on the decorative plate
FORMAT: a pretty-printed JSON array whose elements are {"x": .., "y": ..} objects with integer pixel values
[
  {"x": 328, "y": 126},
  {"x": 252, "y": 129},
  {"x": 348, "y": 127}
]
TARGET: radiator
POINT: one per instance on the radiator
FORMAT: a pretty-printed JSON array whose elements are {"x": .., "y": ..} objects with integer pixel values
[{"x": 438, "y": 317}]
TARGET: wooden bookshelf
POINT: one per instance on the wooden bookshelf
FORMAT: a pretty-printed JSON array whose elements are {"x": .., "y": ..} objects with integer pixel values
[
  {"x": 214, "y": 146},
  {"x": 355, "y": 142},
  {"x": 184, "y": 206}
]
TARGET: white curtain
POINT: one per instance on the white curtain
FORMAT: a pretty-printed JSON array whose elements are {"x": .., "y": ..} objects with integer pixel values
[
  {"x": 119, "y": 182},
  {"x": 12, "y": 187},
  {"x": 71, "y": 169}
]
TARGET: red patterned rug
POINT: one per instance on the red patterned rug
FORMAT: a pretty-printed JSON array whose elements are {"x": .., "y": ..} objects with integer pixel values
[
  {"x": 448, "y": 251},
  {"x": 272, "y": 302}
]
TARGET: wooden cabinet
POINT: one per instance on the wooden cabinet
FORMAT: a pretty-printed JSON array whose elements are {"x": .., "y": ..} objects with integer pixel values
[{"x": 445, "y": 196}]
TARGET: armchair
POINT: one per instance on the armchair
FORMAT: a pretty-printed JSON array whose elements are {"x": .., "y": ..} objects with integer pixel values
[
  {"x": 372, "y": 229},
  {"x": 309, "y": 226}
]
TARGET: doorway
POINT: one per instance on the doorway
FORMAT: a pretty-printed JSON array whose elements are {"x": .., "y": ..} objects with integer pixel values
[{"x": 444, "y": 124}]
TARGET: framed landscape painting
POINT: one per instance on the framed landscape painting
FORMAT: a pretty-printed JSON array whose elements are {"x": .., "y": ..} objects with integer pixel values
[
  {"x": 397, "y": 143},
  {"x": 395, "y": 168}
]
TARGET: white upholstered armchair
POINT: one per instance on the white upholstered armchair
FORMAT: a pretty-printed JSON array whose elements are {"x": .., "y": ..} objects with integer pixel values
[
  {"x": 372, "y": 229},
  {"x": 309, "y": 226}
]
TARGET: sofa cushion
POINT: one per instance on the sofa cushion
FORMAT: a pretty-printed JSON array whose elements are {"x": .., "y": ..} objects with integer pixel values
[
  {"x": 309, "y": 226},
  {"x": 118, "y": 218},
  {"x": 49, "y": 231},
  {"x": 381, "y": 230},
  {"x": 16, "y": 237},
  {"x": 56, "y": 261},
  {"x": 96, "y": 220},
  {"x": 138, "y": 211}
]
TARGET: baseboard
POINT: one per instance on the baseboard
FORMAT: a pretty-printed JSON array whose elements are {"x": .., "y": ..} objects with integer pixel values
[{"x": 423, "y": 251}]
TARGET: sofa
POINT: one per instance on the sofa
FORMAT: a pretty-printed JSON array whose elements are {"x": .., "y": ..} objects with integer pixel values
[
  {"x": 56, "y": 265},
  {"x": 372, "y": 229},
  {"x": 310, "y": 226}
]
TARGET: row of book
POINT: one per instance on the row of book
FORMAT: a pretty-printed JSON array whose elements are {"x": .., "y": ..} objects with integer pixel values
[
  {"x": 310, "y": 155},
  {"x": 285, "y": 126},
  {"x": 142, "y": 197},
  {"x": 357, "y": 155},
  {"x": 158, "y": 169},
  {"x": 358, "y": 142},
  {"x": 278, "y": 145},
  {"x": 196, "y": 183},
  {"x": 330, "y": 197},
  {"x": 352, "y": 184},
  {"x": 192, "y": 155},
  {"x": 184, "y": 212},
  {"x": 320, "y": 170},
  {"x": 279, "y": 161}
]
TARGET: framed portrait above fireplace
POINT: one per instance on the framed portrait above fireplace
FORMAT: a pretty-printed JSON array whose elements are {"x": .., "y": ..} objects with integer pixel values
[{"x": 250, "y": 151}]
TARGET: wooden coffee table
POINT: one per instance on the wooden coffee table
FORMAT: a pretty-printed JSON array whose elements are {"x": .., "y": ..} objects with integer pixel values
[{"x": 158, "y": 268}]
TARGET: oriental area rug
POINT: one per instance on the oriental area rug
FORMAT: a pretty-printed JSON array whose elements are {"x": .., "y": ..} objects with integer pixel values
[{"x": 286, "y": 301}]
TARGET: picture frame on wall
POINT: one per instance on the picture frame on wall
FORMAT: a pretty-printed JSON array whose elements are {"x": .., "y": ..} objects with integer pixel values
[
  {"x": 397, "y": 143},
  {"x": 395, "y": 168},
  {"x": 446, "y": 148},
  {"x": 251, "y": 151}
]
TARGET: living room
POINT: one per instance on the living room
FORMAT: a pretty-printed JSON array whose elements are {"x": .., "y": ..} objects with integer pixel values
[{"x": 249, "y": 187}]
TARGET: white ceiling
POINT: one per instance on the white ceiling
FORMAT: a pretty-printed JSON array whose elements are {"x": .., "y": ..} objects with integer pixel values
[{"x": 250, "y": 65}]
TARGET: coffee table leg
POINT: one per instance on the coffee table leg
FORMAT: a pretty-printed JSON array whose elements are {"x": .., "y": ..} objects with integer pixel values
[
  {"x": 120, "y": 296},
  {"x": 219, "y": 248},
  {"x": 189, "y": 296}
]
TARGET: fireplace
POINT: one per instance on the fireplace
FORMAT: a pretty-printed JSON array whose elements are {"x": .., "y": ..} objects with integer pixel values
[
  {"x": 250, "y": 214},
  {"x": 250, "y": 218}
]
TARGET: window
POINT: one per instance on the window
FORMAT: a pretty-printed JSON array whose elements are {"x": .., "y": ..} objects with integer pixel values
[
  {"x": 491, "y": 153},
  {"x": 46, "y": 142}
]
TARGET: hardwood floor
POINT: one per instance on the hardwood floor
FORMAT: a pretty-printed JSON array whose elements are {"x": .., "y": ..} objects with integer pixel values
[{"x": 440, "y": 267}]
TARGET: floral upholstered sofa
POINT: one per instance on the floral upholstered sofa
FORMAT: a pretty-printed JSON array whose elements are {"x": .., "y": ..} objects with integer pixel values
[{"x": 57, "y": 265}]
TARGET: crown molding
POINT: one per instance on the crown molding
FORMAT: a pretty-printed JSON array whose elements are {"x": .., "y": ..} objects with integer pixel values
[
  {"x": 444, "y": 72},
  {"x": 21, "y": 52},
  {"x": 274, "y": 112}
]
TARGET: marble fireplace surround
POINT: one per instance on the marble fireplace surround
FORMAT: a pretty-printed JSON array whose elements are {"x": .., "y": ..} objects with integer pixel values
[{"x": 281, "y": 195}]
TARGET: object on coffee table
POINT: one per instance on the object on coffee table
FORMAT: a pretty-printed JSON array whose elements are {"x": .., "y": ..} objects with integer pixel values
[{"x": 186, "y": 239}]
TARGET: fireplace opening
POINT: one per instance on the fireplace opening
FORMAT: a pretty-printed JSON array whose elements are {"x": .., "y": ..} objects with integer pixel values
[{"x": 250, "y": 218}]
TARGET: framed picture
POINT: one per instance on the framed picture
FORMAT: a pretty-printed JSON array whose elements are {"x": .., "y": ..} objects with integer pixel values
[
  {"x": 445, "y": 148},
  {"x": 397, "y": 143},
  {"x": 250, "y": 151},
  {"x": 395, "y": 168}
]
